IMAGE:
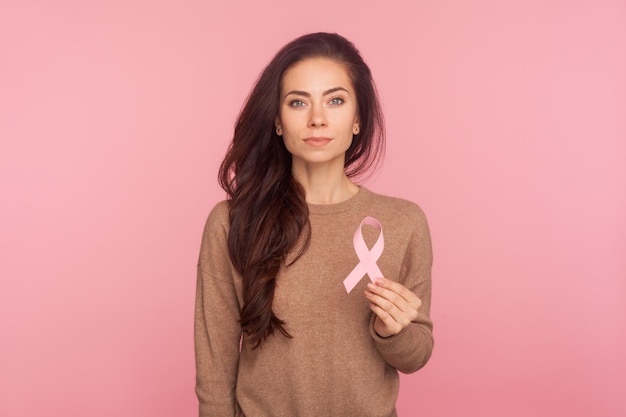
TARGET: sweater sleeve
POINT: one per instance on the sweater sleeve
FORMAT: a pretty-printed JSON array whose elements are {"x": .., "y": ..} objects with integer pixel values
[
  {"x": 410, "y": 349},
  {"x": 217, "y": 330}
]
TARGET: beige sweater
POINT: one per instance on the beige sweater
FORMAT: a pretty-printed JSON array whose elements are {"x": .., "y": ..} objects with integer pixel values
[{"x": 335, "y": 364}]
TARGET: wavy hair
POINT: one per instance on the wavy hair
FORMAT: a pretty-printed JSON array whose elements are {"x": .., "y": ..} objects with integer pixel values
[{"x": 269, "y": 217}]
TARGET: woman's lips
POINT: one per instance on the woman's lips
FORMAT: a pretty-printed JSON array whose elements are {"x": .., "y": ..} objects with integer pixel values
[{"x": 317, "y": 141}]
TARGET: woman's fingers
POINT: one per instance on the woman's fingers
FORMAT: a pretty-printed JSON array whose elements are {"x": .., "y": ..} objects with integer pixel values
[
  {"x": 391, "y": 294},
  {"x": 385, "y": 325},
  {"x": 394, "y": 305}
]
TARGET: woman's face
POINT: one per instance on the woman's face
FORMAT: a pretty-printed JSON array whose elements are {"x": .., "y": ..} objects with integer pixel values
[{"x": 317, "y": 112}]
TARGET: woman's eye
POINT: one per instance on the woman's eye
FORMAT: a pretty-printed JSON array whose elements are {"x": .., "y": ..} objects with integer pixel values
[
  {"x": 296, "y": 103},
  {"x": 336, "y": 101}
]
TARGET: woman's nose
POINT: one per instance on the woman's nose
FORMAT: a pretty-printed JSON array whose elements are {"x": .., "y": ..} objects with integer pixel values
[{"x": 318, "y": 118}]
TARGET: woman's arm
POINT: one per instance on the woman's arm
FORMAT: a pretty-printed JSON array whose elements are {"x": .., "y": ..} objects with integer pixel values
[
  {"x": 400, "y": 326},
  {"x": 217, "y": 330}
]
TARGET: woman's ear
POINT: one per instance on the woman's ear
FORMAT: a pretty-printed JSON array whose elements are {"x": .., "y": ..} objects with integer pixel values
[{"x": 279, "y": 129}]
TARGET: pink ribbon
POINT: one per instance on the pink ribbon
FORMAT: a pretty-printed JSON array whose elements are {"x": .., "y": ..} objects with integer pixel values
[{"x": 367, "y": 258}]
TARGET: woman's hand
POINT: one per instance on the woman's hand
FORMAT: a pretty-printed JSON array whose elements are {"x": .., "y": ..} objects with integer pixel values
[{"x": 394, "y": 305}]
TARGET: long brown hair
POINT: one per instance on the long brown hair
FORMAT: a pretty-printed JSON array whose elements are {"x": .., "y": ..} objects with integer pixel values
[{"x": 268, "y": 210}]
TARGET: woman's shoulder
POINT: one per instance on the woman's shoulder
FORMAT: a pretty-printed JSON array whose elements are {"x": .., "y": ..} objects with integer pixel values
[
  {"x": 220, "y": 210},
  {"x": 403, "y": 221},
  {"x": 394, "y": 206},
  {"x": 218, "y": 216}
]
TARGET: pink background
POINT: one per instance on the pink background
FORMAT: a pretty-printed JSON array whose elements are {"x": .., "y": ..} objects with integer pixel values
[{"x": 506, "y": 123}]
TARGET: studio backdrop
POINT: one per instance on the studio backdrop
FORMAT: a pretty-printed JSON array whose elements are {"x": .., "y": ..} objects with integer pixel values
[{"x": 506, "y": 123}]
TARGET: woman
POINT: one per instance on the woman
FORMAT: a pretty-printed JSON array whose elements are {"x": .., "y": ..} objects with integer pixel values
[{"x": 277, "y": 334}]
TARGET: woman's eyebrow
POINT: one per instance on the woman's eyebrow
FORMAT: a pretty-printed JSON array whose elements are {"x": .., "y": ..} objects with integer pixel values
[{"x": 306, "y": 94}]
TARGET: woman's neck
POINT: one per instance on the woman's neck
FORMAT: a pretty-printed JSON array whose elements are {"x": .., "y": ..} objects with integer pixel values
[{"x": 324, "y": 185}]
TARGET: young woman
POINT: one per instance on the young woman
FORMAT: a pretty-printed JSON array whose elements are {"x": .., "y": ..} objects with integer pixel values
[{"x": 277, "y": 331}]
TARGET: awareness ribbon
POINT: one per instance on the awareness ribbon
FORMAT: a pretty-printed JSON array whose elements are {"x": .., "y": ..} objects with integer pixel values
[{"x": 367, "y": 258}]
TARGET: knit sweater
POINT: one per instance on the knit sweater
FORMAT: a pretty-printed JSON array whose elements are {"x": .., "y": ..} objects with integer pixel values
[{"x": 335, "y": 364}]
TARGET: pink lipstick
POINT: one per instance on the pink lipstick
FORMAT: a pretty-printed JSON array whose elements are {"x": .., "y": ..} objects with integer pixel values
[{"x": 317, "y": 141}]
